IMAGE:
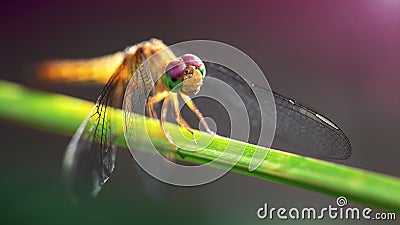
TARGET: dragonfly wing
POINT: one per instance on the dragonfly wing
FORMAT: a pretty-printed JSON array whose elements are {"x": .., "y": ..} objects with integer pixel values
[
  {"x": 299, "y": 126},
  {"x": 90, "y": 156},
  {"x": 308, "y": 130},
  {"x": 139, "y": 88}
]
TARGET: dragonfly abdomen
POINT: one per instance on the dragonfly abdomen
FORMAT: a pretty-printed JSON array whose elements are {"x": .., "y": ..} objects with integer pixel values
[{"x": 97, "y": 69}]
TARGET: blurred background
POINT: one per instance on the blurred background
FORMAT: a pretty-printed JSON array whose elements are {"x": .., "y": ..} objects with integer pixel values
[{"x": 342, "y": 58}]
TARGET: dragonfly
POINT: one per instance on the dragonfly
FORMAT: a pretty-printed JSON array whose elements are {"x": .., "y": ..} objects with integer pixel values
[{"x": 90, "y": 156}]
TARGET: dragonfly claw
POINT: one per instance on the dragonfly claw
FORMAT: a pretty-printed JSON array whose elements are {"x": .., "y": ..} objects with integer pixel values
[
  {"x": 210, "y": 132},
  {"x": 194, "y": 138}
]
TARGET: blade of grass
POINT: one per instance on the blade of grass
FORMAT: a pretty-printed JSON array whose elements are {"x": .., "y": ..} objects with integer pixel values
[{"x": 62, "y": 115}]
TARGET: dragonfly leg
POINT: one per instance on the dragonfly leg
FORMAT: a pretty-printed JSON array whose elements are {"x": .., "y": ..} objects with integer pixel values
[
  {"x": 152, "y": 101},
  {"x": 178, "y": 117},
  {"x": 162, "y": 120},
  {"x": 151, "y": 111},
  {"x": 196, "y": 111}
]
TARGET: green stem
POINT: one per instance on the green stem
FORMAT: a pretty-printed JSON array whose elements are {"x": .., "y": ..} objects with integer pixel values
[{"x": 62, "y": 114}]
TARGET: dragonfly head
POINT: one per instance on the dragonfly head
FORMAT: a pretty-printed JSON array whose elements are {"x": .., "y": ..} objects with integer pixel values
[
  {"x": 185, "y": 75},
  {"x": 192, "y": 81}
]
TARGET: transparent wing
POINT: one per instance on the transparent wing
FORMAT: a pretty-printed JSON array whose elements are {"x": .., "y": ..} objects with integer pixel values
[
  {"x": 309, "y": 130},
  {"x": 299, "y": 126},
  {"x": 90, "y": 156},
  {"x": 140, "y": 87}
]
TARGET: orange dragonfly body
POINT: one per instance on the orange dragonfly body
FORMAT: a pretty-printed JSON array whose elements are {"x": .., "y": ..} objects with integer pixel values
[{"x": 123, "y": 65}]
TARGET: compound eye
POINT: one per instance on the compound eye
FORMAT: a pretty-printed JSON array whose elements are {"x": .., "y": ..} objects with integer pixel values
[
  {"x": 175, "y": 69},
  {"x": 192, "y": 60}
]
